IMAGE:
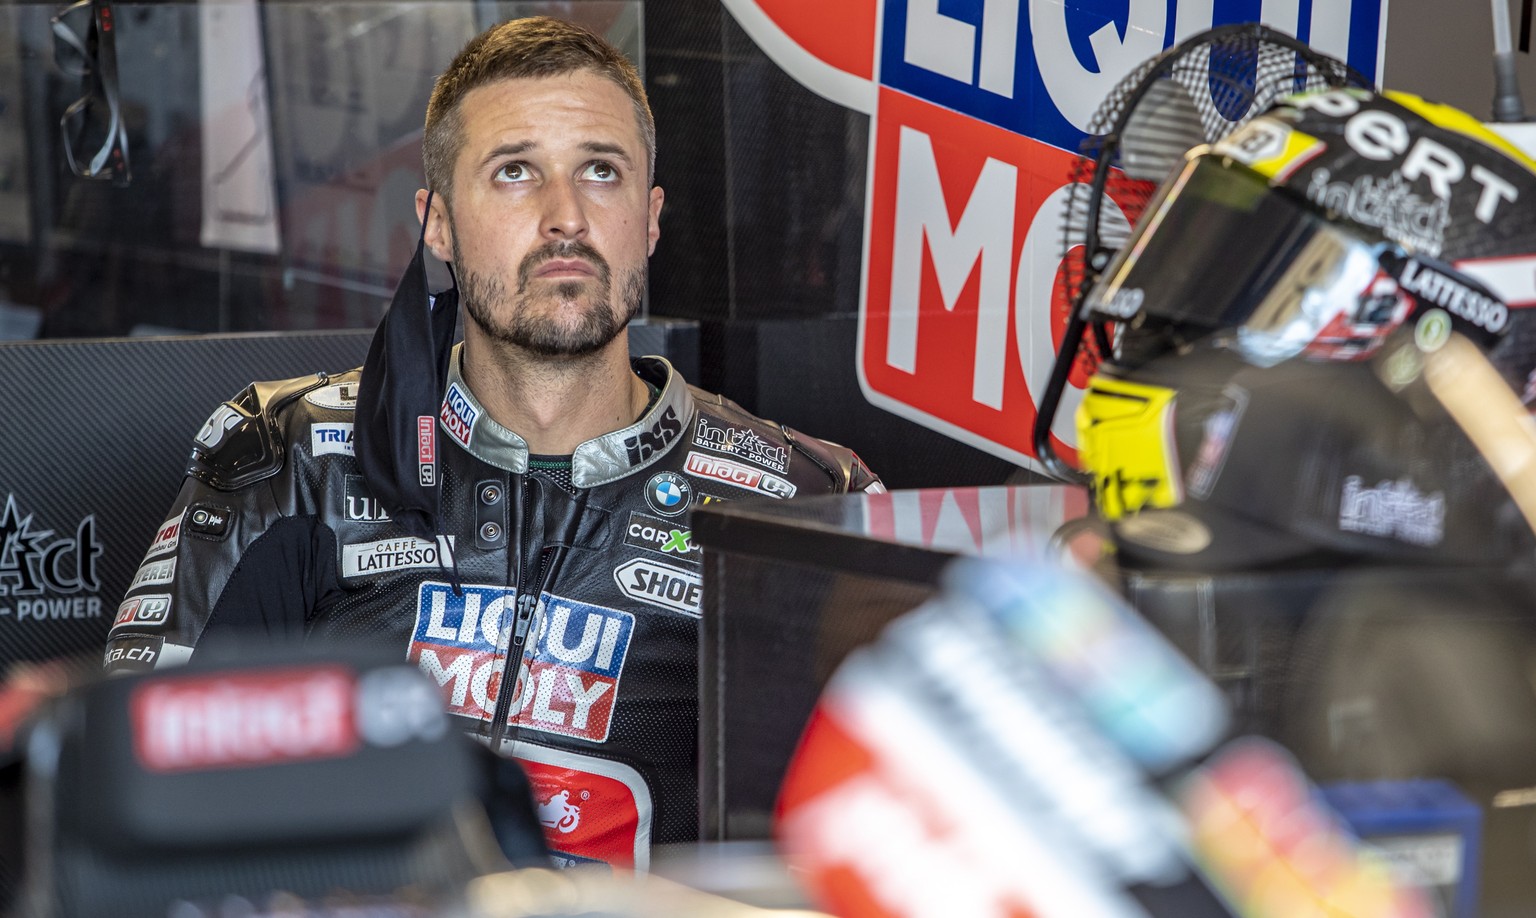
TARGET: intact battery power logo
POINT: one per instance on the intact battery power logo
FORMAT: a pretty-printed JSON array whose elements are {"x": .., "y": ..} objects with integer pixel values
[
  {"x": 568, "y": 679},
  {"x": 46, "y": 574}
]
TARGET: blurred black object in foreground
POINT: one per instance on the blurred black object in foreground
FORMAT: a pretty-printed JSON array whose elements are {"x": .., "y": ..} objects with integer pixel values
[{"x": 302, "y": 773}]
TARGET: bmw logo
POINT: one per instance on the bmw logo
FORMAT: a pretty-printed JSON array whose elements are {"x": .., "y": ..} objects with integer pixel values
[{"x": 668, "y": 493}]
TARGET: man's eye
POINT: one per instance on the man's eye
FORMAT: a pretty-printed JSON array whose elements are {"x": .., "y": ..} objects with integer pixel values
[
  {"x": 512, "y": 172},
  {"x": 601, "y": 172}
]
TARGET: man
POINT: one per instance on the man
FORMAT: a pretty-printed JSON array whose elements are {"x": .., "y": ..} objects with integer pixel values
[{"x": 521, "y": 519}]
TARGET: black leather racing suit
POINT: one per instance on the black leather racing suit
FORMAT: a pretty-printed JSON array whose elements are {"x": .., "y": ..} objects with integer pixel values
[{"x": 581, "y": 588}]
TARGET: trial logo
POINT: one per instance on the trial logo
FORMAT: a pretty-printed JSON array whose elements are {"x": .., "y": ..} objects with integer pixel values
[{"x": 331, "y": 439}]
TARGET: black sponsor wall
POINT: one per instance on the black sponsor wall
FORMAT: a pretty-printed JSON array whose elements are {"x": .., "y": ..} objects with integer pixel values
[{"x": 98, "y": 433}]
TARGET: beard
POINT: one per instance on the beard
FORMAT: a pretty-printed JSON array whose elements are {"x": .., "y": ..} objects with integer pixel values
[{"x": 540, "y": 321}]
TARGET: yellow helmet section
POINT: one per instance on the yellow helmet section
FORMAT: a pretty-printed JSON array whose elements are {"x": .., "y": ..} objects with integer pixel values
[
  {"x": 1269, "y": 147},
  {"x": 1125, "y": 441},
  {"x": 1454, "y": 119}
]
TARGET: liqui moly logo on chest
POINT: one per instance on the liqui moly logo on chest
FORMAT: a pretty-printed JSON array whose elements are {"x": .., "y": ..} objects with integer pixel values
[
  {"x": 458, "y": 415},
  {"x": 977, "y": 111},
  {"x": 567, "y": 680}
]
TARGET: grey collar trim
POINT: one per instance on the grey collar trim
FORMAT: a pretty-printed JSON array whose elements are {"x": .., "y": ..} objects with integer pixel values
[{"x": 597, "y": 461}]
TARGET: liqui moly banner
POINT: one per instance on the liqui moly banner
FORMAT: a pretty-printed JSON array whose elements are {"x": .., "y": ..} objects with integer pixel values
[{"x": 977, "y": 108}]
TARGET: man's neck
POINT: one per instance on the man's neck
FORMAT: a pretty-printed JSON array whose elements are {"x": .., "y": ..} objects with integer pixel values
[{"x": 555, "y": 404}]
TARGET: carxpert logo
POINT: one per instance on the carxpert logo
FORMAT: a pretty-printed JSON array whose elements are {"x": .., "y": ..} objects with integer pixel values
[
  {"x": 569, "y": 676},
  {"x": 670, "y": 538},
  {"x": 46, "y": 575},
  {"x": 976, "y": 110}
]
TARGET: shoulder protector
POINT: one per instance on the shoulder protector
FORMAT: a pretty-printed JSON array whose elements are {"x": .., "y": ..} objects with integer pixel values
[
  {"x": 240, "y": 443},
  {"x": 842, "y": 465}
]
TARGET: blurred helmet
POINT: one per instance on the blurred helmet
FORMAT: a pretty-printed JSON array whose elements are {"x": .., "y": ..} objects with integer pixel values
[{"x": 1238, "y": 418}]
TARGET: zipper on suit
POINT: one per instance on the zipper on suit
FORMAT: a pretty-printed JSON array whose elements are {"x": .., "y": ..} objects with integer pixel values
[
  {"x": 529, "y": 591},
  {"x": 526, "y": 602}
]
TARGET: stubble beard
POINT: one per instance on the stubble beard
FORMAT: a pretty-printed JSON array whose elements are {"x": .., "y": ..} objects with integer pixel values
[{"x": 531, "y": 319}]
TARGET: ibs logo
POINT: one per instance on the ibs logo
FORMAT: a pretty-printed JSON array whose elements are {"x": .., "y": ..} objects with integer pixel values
[
  {"x": 647, "y": 443},
  {"x": 974, "y": 108},
  {"x": 569, "y": 676}
]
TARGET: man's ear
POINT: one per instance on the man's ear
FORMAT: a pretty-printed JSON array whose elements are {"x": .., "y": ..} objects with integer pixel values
[
  {"x": 653, "y": 227},
  {"x": 439, "y": 232}
]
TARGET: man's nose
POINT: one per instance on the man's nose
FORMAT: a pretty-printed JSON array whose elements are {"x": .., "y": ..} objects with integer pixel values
[{"x": 565, "y": 215}]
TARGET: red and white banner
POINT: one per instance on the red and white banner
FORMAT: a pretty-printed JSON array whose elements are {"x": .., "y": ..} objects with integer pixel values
[{"x": 978, "y": 110}]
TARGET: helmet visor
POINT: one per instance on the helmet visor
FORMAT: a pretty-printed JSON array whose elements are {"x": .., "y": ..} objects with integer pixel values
[{"x": 1223, "y": 253}]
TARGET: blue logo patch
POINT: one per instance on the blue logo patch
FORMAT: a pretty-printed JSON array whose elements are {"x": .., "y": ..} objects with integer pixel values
[{"x": 668, "y": 493}]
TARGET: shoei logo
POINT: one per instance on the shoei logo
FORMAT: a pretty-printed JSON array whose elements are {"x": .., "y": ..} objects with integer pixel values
[
  {"x": 975, "y": 111},
  {"x": 458, "y": 415},
  {"x": 330, "y": 439},
  {"x": 567, "y": 680},
  {"x": 661, "y": 585}
]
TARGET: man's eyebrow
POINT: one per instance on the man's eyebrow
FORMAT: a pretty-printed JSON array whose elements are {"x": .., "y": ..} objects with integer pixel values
[
  {"x": 609, "y": 149},
  {"x": 509, "y": 149},
  {"x": 523, "y": 146}
]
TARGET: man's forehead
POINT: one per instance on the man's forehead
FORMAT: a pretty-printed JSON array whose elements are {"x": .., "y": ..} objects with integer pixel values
[{"x": 578, "y": 107}]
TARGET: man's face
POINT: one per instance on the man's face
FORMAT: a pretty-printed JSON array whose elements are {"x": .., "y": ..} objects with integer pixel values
[{"x": 550, "y": 221}]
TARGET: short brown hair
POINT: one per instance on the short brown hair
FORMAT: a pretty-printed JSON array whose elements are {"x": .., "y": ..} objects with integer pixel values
[{"x": 516, "y": 49}]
